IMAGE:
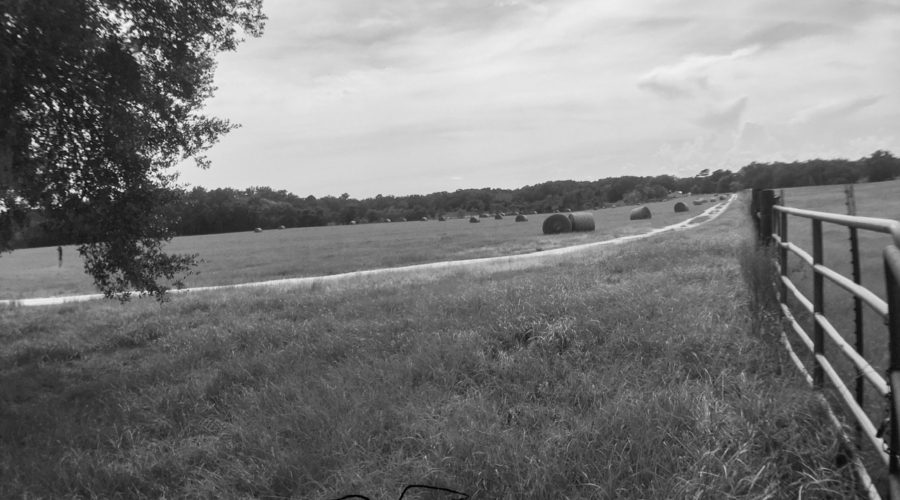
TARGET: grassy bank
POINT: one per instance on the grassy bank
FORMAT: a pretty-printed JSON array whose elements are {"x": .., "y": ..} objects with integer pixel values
[{"x": 630, "y": 373}]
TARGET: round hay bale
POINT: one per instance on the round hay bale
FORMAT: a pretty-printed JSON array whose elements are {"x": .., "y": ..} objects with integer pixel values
[
  {"x": 681, "y": 207},
  {"x": 722, "y": 197},
  {"x": 498, "y": 217},
  {"x": 557, "y": 223},
  {"x": 482, "y": 216},
  {"x": 280, "y": 227},
  {"x": 698, "y": 202},
  {"x": 387, "y": 220},
  {"x": 442, "y": 219},
  {"x": 353, "y": 223},
  {"x": 424, "y": 219},
  {"x": 582, "y": 221},
  {"x": 474, "y": 219},
  {"x": 257, "y": 230},
  {"x": 521, "y": 218},
  {"x": 640, "y": 213},
  {"x": 401, "y": 219}
]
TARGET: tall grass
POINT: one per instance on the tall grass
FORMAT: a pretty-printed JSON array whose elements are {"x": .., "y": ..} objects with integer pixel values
[{"x": 630, "y": 375}]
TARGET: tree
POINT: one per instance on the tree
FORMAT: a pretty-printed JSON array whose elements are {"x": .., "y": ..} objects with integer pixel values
[
  {"x": 99, "y": 99},
  {"x": 881, "y": 166}
]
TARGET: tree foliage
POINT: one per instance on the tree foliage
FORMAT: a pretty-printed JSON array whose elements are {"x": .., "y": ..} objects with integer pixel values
[{"x": 98, "y": 100}]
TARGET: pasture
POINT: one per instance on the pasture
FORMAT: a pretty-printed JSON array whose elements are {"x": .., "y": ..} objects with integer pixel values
[
  {"x": 317, "y": 251},
  {"x": 631, "y": 371}
]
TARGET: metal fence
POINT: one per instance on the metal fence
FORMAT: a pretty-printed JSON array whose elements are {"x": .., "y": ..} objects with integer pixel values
[{"x": 771, "y": 220}]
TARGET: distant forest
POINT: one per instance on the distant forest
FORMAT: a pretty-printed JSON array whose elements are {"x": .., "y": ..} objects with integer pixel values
[{"x": 202, "y": 211}]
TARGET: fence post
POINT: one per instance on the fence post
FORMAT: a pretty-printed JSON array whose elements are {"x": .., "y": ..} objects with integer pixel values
[
  {"x": 818, "y": 304},
  {"x": 783, "y": 251},
  {"x": 754, "y": 211},
  {"x": 857, "y": 302},
  {"x": 892, "y": 279},
  {"x": 766, "y": 202}
]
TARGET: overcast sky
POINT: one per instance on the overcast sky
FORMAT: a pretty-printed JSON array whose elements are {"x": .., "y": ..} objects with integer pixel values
[{"x": 417, "y": 96}]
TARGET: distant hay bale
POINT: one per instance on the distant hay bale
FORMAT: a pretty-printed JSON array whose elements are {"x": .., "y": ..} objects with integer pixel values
[
  {"x": 521, "y": 218},
  {"x": 474, "y": 219},
  {"x": 482, "y": 216},
  {"x": 353, "y": 223},
  {"x": 640, "y": 213},
  {"x": 581, "y": 221},
  {"x": 442, "y": 219},
  {"x": 387, "y": 220},
  {"x": 424, "y": 219},
  {"x": 698, "y": 202},
  {"x": 280, "y": 227},
  {"x": 257, "y": 230},
  {"x": 722, "y": 197},
  {"x": 401, "y": 219},
  {"x": 557, "y": 223},
  {"x": 498, "y": 217},
  {"x": 681, "y": 207}
]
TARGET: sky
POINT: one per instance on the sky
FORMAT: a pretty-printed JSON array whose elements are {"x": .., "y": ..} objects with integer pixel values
[{"x": 399, "y": 97}]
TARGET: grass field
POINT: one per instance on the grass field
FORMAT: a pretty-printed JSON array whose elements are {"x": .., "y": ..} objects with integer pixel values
[
  {"x": 634, "y": 371},
  {"x": 317, "y": 251}
]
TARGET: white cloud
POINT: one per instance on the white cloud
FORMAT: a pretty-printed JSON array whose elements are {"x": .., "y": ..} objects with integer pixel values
[
  {"x": 689, "y": 76},
  {"x": 402, "y": 96}
]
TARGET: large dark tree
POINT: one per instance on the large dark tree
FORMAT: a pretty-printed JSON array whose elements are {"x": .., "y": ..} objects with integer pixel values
[{"x": 99, "y": 99}]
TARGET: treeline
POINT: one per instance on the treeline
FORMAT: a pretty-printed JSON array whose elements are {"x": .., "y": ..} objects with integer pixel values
[{"x": 202, "y": 211}]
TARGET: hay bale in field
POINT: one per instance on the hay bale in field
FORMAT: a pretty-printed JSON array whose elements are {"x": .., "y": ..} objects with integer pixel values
[
  {"x": 557, "y": 223},
  {"x": 401, "y": 219},
  {"x": 424, "y": 219},
  {"x": 640, "y": 213},
  {"x": 353, "y": 223},
  {"x": 581, "y": 221},
  {"x": 681, "y": 207},
  {"x": 698, "y": 202},
  {"x": 498, "y": 217},
  {"x": 257, "y": 230},
  {"x": 521, "y": 218},
  {"x": 442, "y": 219},
  {"x": 474, "y": 219},
  {"x": 482, "y": 216},
  {"x": 722, "y": 197},
  {"x": 387, "y": 220},
  {"x": 280, "y": 227}
]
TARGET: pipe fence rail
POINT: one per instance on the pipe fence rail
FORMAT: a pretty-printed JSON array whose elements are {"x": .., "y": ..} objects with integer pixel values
[{"x": 771, "y": 218}]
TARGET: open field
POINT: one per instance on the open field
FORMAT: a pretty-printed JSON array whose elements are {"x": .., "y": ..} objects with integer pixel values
[
  {"x": 627, "y": 372},
  {"x": 317, "y": 251}
]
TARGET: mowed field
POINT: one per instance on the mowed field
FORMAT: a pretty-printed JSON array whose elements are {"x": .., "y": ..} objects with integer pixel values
[
  {"x": 318, "y": 251},
  {"x": 642, "y": 370}
]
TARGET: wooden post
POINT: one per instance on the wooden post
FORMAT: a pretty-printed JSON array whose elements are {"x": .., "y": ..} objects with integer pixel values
[
  {"x": 783, "y": 252},
  {"x": 766, "y": 202},
  {"x": 818, "y": 304}
]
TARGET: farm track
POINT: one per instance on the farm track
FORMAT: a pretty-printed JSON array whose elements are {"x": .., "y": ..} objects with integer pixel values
[{"x": 413, "y": 273}]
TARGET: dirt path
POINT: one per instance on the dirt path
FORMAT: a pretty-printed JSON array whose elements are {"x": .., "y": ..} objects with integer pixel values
[{"x": 408, "y": 274}]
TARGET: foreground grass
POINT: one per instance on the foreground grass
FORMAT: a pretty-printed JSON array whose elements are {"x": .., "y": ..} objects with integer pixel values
[{"x": 629, "y": 373}]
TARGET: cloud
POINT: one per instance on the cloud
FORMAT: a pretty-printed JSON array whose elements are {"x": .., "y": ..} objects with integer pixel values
[
  {"x": 833, "y": 110},
  {"x": 776, "y": 35},
  {"x": 724, "y": 118},
  {"x": 689, "y": 76}
]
